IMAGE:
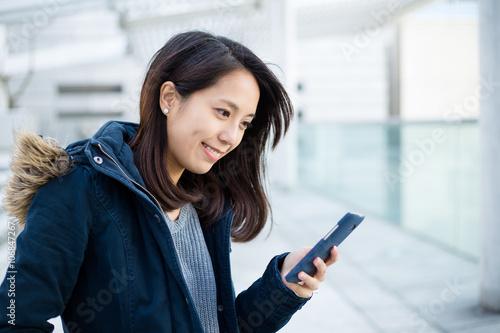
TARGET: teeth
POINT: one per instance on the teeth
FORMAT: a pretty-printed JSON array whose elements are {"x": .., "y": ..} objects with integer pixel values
[{"x": 216, "y": 154}]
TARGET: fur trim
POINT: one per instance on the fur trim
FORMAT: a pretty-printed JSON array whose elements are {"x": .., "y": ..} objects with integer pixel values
[{"x": 35, "y": 162}]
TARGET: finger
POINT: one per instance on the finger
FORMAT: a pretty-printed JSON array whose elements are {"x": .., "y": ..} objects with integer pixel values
[
  {"x": 309, "y": 281},
  {"x": 334, "y": 256},
  {"x": 320, "y": 269}
]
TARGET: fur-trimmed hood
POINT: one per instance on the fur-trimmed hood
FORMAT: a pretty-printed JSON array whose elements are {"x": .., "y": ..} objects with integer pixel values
[{"x": 35, "y": 161}]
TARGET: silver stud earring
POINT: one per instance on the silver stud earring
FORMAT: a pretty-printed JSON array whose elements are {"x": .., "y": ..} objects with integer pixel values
[{"x": 165, "y": 111}]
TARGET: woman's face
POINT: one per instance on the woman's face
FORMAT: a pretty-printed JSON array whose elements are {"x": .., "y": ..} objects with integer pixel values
[{"x": 210, "y": 123}]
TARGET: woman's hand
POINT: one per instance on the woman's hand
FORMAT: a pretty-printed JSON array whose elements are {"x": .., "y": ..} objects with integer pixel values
[{"x": 308, "y": 283}]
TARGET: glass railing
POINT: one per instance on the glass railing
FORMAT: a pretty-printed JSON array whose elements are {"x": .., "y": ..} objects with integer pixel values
[{"x": 421, "y": 176}]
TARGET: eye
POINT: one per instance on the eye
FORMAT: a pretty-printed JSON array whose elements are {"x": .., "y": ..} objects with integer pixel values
[
  {"x": 224, "y": 113},
  {"x": 246, "y": 125}
]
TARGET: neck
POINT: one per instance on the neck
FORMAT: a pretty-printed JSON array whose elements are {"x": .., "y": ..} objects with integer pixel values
[{"x": 174, "y": 173}]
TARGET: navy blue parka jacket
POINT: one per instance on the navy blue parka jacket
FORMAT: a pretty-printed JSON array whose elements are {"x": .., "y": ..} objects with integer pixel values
[{"x": 96, "y": 250}]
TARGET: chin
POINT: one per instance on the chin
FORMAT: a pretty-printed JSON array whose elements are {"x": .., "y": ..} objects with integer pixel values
[{"x": 200, "y": 170}]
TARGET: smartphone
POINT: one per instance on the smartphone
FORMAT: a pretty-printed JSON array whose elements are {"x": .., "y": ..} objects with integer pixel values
[{"x": 344, "y": 227}]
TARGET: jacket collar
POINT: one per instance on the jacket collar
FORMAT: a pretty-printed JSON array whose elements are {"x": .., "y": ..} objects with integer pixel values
[{"x": 111, "y": 143}]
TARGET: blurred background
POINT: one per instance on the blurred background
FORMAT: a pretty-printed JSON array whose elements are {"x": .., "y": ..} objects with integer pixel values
[{"x": 387, "y": 93}]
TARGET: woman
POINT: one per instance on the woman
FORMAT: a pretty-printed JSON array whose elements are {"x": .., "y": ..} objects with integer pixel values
[{"x": 129, "y": 231}]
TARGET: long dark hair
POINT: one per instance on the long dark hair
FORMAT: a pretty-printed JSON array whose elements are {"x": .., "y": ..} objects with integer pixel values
[{"x": 194, "y": 61}]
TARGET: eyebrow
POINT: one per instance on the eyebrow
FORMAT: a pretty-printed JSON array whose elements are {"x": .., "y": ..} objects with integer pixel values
[{"x": 235, "y": 107}]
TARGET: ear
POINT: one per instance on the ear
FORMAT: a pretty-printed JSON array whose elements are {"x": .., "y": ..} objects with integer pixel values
[{"x": 168, "y": 95}]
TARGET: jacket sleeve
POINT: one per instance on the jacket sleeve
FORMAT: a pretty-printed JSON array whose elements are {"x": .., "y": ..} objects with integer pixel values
[
  {"x": 268, "y": 304},
  {"x": 49, "y": 253}
]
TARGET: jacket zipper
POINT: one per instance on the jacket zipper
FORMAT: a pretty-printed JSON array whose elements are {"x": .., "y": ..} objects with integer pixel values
[
  {"x": 133, "y": 181},
  {"x": 150, "y": 195}
]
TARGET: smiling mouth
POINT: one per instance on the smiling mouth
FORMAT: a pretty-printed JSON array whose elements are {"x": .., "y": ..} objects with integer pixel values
[{"x": 213, "y": 151}]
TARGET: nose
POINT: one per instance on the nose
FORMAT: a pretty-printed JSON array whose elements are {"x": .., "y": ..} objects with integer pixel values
[{"x": 230, "y": 134}]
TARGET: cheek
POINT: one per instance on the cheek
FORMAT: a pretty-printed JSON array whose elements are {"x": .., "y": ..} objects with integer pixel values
[{"x": 172, "y": 136}]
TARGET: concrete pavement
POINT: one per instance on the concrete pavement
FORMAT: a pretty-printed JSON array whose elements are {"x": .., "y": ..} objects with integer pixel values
[{"x": 386, "y": 281}]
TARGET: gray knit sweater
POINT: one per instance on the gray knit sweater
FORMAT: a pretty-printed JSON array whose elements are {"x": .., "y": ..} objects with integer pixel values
[{"x": 196, "y": 265}]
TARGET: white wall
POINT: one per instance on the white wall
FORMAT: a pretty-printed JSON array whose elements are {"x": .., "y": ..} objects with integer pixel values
[
  {"x": 343, "y": 86},
  {"x": 439, "y": 69}
]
